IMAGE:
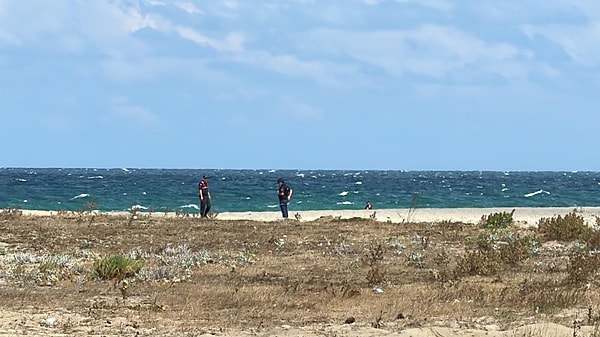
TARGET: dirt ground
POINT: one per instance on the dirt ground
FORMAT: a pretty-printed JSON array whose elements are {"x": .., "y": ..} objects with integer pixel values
[{"x": 329, "y": 277}]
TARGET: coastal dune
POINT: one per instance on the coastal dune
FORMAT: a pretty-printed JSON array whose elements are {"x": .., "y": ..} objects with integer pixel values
[{"x": 257, "y": 268}]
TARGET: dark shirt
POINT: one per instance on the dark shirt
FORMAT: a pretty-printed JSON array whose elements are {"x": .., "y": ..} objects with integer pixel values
[
  {"x": 284, "y": 192},
  {"x": 203, "y": 186}
]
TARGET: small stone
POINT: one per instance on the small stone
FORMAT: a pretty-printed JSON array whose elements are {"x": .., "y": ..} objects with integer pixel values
[
  {"x": 350, "y": 320},
  {"x": 50, "y": 321}
]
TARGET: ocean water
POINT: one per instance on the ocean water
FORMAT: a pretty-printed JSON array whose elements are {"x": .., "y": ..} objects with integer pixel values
[{"x": 255, "y": 190}]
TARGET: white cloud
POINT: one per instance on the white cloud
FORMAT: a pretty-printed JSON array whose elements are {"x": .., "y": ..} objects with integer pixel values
[
  {"x": 590, "y": 8},
  {"x": 154, "y": 3},
  {"x": 188, "y": 7},
  {"x": 429, "y": 50},
  {"x": 442, "y": 5},
  {"x": 233, "y": 42},
  {"x": 323, "y": 72},
  {"x": 231, "y": 4},
  {"x": 580, "y": 42},
  {"x": 73, "y": 25}
]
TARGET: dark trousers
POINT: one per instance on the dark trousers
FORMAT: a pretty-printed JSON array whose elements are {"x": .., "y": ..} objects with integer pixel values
[
  {"x": 283, "y": 204},
  {"x": 204, "y": 207}
]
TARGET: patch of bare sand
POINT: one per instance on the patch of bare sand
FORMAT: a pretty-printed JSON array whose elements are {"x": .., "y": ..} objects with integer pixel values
[
  {"x": 524, "y": 216},
  {"x": 32, "y": 322}
]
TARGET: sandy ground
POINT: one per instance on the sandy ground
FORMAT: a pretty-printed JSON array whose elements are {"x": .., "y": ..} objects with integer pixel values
[
  {"x": 31, "y": 322},
  {"x": 525, "y": 215}
]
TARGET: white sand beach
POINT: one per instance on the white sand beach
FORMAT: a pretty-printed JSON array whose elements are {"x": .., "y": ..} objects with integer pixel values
[{"x": 527, "y": 216}]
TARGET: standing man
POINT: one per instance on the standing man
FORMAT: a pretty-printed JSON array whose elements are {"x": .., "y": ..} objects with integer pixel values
[
  {"x": 285, "y": 195},
  {"x": 204, "y": 195}
]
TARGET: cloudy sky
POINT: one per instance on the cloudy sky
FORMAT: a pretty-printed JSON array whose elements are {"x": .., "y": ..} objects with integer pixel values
[{"x": 301, "y": 84}]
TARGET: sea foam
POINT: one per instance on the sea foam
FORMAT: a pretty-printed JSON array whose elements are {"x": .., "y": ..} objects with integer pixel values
[
  {"x": 190, "y": 206},
  {"x": 528, "y": 195}
]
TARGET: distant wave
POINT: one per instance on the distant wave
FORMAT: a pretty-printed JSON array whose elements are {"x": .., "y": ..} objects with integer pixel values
[
  {"x": 345, "y": 193},
  {"x": 190, "y": 206},
  {"x": 125, "y": 169},
  {"x": 528, "y": 195},
  {"x": 358, "y": 183},
  {"x": 138, "y": 207},
  {"x": 301, "y": 175},
  {"x": 22, "y": 180},
  {"x": 83, "y": 195},
  {"x": 96, "y": 177},
  {"x": 345, "y": 203}
]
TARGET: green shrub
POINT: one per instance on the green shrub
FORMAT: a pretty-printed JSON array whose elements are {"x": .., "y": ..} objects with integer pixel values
[
  {"x": 567, "y": 228},
  {"x": 478, "y": 262},
  {"x": 497, "y": 220},
  {"x": 494, "y": 252},
  {"x": 117, "y": 267}
]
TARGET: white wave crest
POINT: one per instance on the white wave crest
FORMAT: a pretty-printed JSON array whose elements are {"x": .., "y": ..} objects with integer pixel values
[
  {"x": 125, "y": 169},
  {"x": 528, "y": 195},
  {"x": 22, "y": 180},
  {"x": 138, "y": 207},
  {"x": 83, "y": 195},
  {"x": 358, "y": 183},
  {"x": 190, "y": 206},
  {"x": 96, "y": 177},
  {"x": 345, "y": 193},
  {"x": 345, "y": 203}
]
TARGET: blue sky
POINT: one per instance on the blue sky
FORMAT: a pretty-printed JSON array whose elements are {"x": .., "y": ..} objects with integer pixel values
[{"x": 301, "y": 84}]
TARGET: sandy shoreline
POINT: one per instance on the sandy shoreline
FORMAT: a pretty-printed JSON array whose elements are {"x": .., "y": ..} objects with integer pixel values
[{"x": 525, "y": 215}]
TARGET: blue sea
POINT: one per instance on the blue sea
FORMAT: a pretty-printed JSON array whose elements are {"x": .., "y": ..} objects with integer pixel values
[{"x": 255, "y": 190}]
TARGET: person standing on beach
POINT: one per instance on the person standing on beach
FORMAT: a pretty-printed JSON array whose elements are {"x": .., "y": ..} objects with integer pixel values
[
  {"x": 285, "y": 195},
  {"x": 204, "y": 195}
]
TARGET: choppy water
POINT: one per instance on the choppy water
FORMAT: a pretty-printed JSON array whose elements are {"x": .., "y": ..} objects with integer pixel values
[{"x": 255, "y": 190}]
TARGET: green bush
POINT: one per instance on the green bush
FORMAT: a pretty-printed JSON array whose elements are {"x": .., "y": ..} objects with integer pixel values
[
  {"x": 497, "y": 220},
  {"x": 494, "y": 252},
  {"x": 117, "y": 267},
  {"x": 567, "y": 228}
]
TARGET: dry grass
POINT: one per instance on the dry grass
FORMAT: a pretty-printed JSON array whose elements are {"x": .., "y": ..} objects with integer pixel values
[{"x": 214, "y": 275}]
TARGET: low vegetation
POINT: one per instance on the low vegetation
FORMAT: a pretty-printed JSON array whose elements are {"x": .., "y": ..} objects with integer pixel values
[{"x": 192, "y": 275}]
